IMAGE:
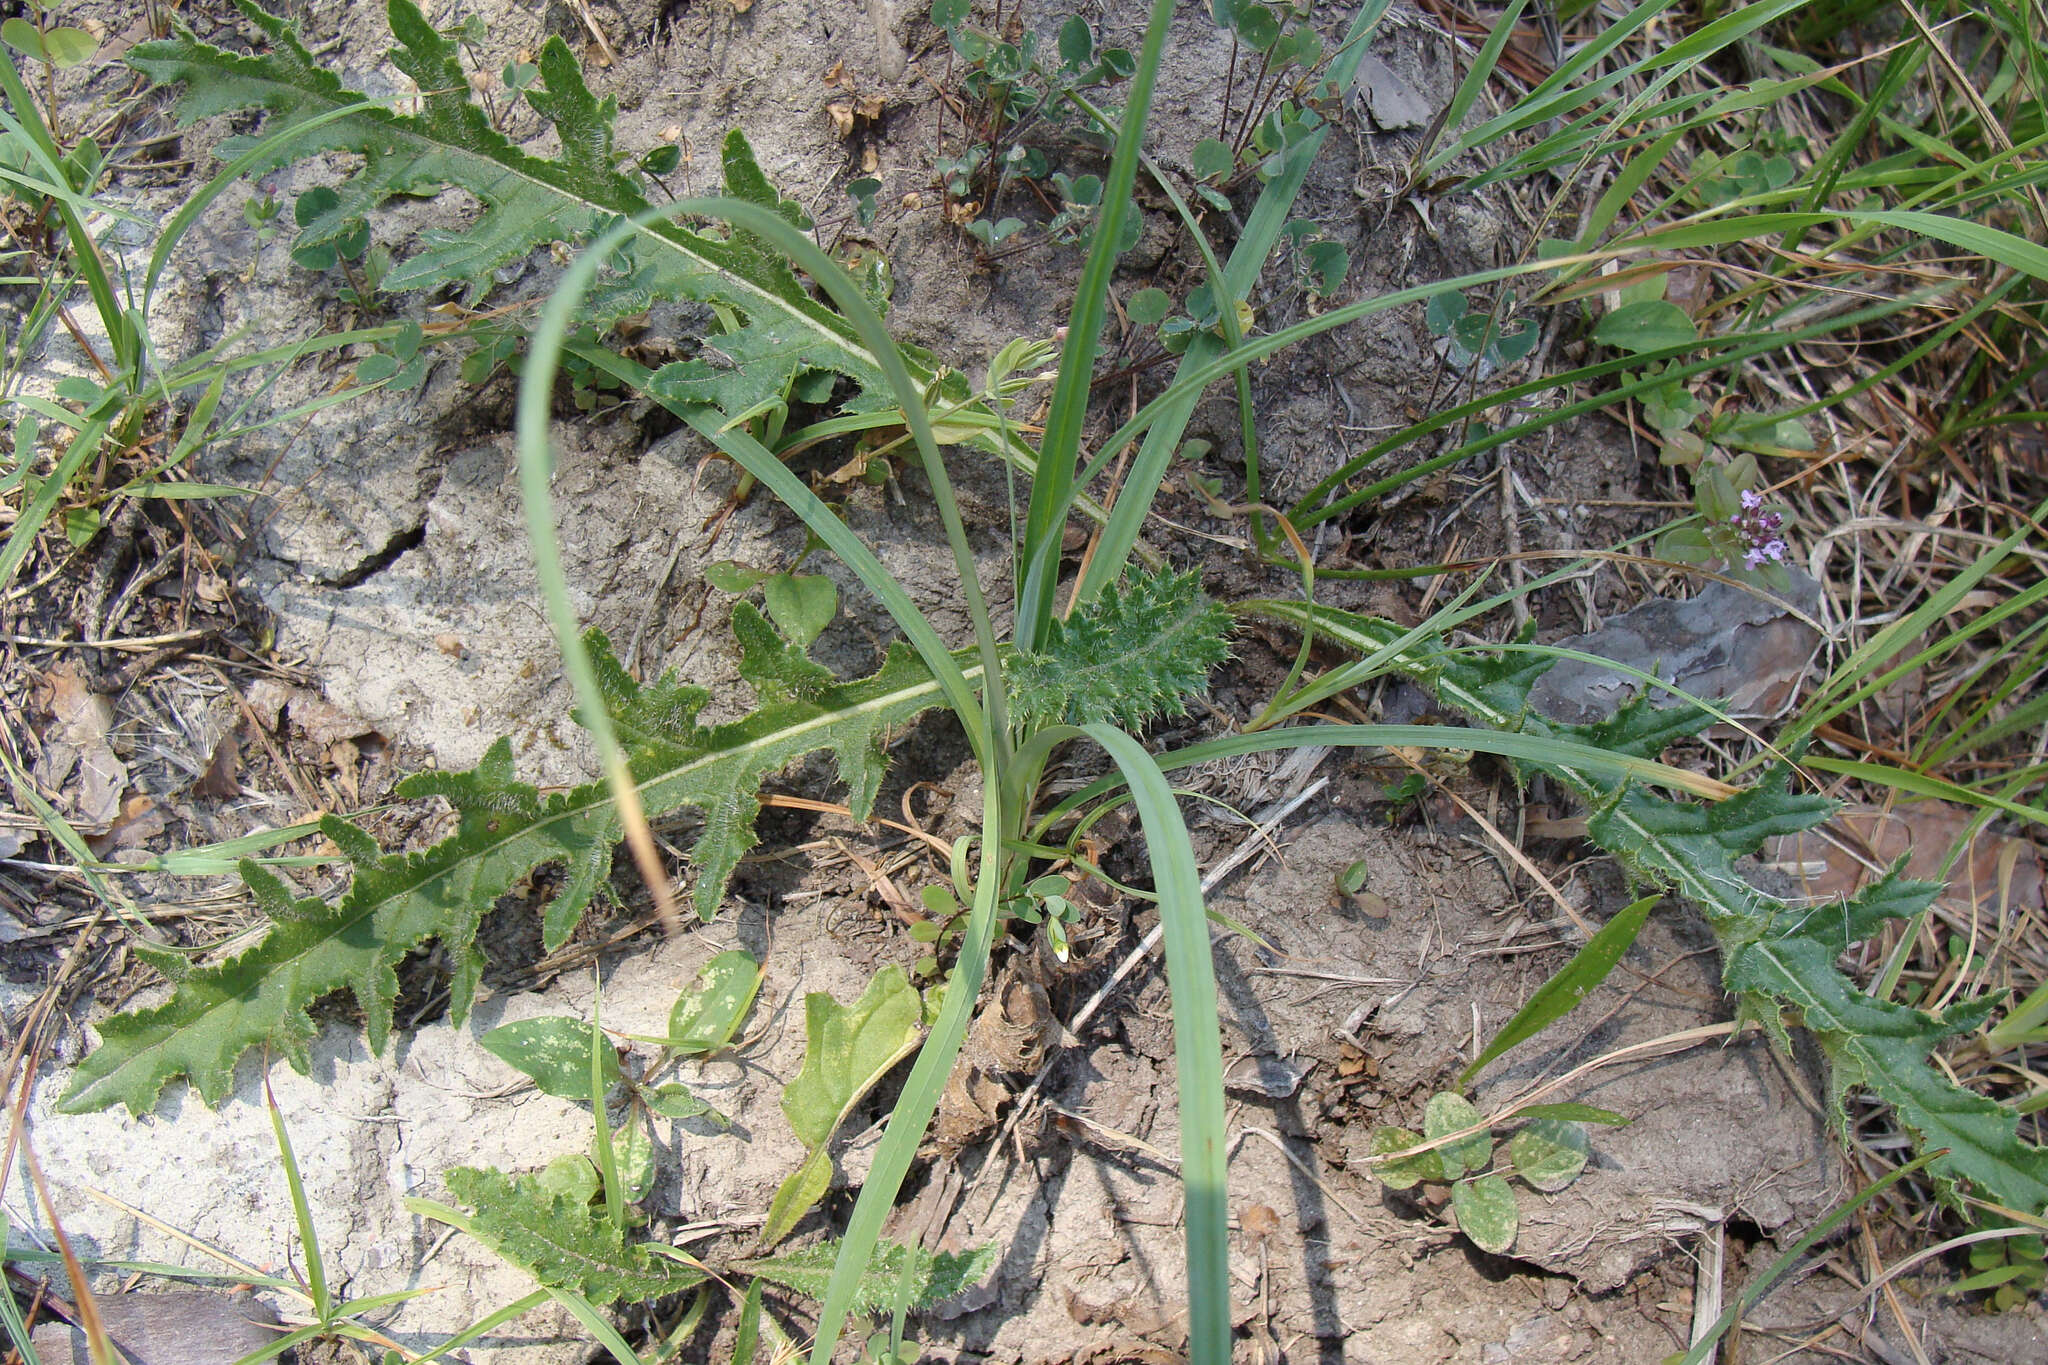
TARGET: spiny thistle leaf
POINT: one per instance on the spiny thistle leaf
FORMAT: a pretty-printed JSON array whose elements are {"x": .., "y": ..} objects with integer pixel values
[
  {"x": 936, "y": 1276},
  {"x": 1137, "y": 652},
  {"x": 506, "y": 830},
  {"x": 562, "y": 1244},
  {"x": 1775, "y": 956},
  {"x": 529, "y": 201}
]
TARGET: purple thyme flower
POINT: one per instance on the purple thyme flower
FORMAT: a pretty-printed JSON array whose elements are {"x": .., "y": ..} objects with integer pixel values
[{"x": 1759, "y": 532}]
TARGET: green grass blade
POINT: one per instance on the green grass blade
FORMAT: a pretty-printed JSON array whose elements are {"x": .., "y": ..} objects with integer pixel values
[
  {"x": 1703, "y": 1349},
  {"x": 921, "y": 1092},
  {"x": 1197, "y": 1045},
  {"x": 22, "y": 537},
  {"x": 1922, "y": 784},
  {"x": 302, "y": 1211},
  {"x": 1481, "y": 71},
  {"x": 746, "y": 1339},
  {"x": 596, "y": 1324},
  {"x": 1261, "y": 230},
  {"x": 1732, "y": 225},
  {"x": 18, "y": 1334},
  {"x": 482, "y": 1327},
  {"x": 1539, "y": 749},
  {"x": 1858, "y": 677},
  {"x": 272, "y": 1350},
  {"x": 36, "y": 138},
  {"x": 1567, "y": 990},
  {"x": 1052, "y": 492},
  {"x": 1560, "y": 93}
]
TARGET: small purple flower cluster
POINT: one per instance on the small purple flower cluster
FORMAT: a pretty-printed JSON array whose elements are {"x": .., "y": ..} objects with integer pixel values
[{"x": 1759, "y": 529}]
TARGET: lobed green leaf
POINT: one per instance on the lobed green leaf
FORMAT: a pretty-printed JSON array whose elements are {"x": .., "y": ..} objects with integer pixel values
[
  {"x": 1775, "y": 955},
  {"x": 505, "y": 831},
  {"x": 528, "y": 201},
  {"x": 1135, "y": 653},
  {"x": 847, "y": 1050},
  {"x": 557, "y": 1240},
  {"x": 935, "y": 1276}
]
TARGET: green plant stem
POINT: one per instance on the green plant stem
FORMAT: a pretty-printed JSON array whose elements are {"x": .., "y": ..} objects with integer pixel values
[{"x": 1059, "y": 450}]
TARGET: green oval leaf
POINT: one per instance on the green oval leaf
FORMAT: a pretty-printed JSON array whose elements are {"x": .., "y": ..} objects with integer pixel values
[
  {"x": 800, "y": 605},
  {"x": 731, "y": 576},
  {"x": 68, "y": 47},
  {"x": 704, "y": 1019},
  {"x": 1212, "y": 159},
  {"x": 1649, "y": 325},
  {"x": 847, "y": 1049},
  {"x": 1257, "y": 27},
  {"x": 1409, "y": 1171},
  {"x": 1486, "y": 1212},
  {"x": 314, "y": 204},
  {"x": 555, "y": 1051},
  {"x": 24, "y": 37},
  {"x": 81, "y": 524},
  {"x": 1148, "y": 306},
  {"x": 1509, "y": 347},
  {"x": 1549, "y": 1154},
  {"x": 672, "y": 1100},
  {"x": 571, "y": 1176},
  {"x": 1447, "y": 1112},
  {"x": 1077, "y": 43},
  {"x": 1327, "y": 263},
  {"x": 1443, "y": 311},
  {"x": 61, "y": 47},
  {"x": 377, "y": 368}
]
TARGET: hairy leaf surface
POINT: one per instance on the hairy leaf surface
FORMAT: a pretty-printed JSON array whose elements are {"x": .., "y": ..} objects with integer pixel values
[
  {"x": 936, "y": 1276},
  {"x": 1137, "y": 652},
  {"x": 1775, "y": 956},
  {"x": 562, "y": 1244},
  {"x": 506, "y": 829},
  {"x": 529, "y": 201}
]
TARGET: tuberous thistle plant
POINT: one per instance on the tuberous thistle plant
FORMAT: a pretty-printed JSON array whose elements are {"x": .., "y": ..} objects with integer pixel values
[{"x": 1095, "y": 654}]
